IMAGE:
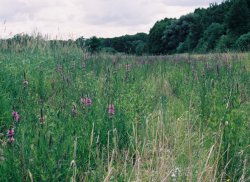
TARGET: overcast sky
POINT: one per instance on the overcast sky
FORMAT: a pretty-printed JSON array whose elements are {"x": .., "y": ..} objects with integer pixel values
[{"x": 74, "y": 18}]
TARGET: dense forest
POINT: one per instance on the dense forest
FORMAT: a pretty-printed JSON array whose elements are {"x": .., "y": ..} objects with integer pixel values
[{"x": 218, "y": 28}]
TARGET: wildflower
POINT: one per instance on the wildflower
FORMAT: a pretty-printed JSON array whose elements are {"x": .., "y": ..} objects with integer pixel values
[
  {"x": 10, "y": 135},
  {"x": 111, "y": 109},
  {"x": 87, "y": 101},
  {"x": 74, "y": 111},
  {"x": 16, "y": 116},
  {"x": 11, "y": 139},
  {"x": 11, "y": 132}
]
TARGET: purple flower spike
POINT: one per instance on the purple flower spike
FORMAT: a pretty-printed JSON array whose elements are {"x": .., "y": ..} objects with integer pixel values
[
  {"x": 11, "y": 132},
  {"x": 11, "y": 139},
  {"x": 111, "y": 109},
  {"x": 10, "y": 135},
  {"x": 86, "y": 101},
  {"x": 16, "y": 116}
]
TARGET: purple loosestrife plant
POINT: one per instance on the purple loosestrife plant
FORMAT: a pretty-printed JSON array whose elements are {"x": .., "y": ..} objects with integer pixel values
[
  {"x": 111, "y": 110},
  {"x": 10, "y": 135},
  {"x": 11, "y": 139},
  {"x": 16, "y": 116},
  {"x": 87, "y": 101}
]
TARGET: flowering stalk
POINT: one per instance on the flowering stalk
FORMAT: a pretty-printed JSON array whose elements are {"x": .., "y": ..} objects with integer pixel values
[
  {"x": 16, "y": 116},
  {"x": 86, "y": 101},
  {"x": 111, "y": 110},
  {"x": 10, "y": 135}
]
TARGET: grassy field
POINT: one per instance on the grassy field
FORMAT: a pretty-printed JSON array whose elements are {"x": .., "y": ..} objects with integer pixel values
[{"x": 66, "y": 115}]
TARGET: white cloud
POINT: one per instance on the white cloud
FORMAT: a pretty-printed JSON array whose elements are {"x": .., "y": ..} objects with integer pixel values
[{"x": 74, "y": 18}]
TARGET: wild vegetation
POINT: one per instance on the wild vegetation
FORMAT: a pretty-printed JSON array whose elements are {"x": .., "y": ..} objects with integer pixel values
[
  {"x": 90, "y": 110},
  {"x": 67, "y": 115}
]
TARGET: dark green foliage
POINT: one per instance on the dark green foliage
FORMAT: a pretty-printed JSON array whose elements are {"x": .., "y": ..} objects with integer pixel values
[
  {"x": 109, "y": 50},
  {"x": 176, "y": 33},
  {"x": 224, "y": 43},
  {"x": 155, "y": 42},
  {"x": 243, "y": 42},
  {"x": 80, "y": 42},
  {"x": 140, "y": 48},
  {"x": 216, "y": 28},
  {"x": 210, "y": 37},
  {"x": 93, "y": 44},
  {"x": 127, "y": 43},
  {"x": 237, "y": 19}
]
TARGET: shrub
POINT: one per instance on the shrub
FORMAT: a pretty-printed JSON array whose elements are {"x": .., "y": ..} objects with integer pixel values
[
  {"x": 243, "y": 42},
  {"x": 224, "y": 43}
]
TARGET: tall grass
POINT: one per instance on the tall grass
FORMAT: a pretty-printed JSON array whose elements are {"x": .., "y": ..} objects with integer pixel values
[{"x": 176, "y": 118}]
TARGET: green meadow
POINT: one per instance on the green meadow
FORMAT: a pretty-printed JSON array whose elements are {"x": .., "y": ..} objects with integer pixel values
[{"x": 173, "y": 118}]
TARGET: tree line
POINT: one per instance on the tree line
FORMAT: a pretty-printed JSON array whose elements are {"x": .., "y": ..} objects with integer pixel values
[{"x": 218, "y": 28}]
